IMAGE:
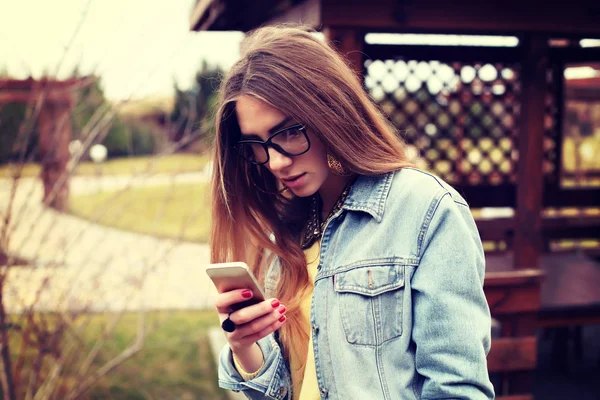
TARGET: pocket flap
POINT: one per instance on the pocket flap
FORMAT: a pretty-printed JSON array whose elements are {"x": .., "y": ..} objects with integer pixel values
[{"x": 370, "y": 280}]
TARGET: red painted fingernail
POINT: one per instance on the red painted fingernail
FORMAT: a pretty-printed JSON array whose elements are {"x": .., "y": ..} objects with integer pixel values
[
  {"x": 275, "y": 303},
  {"x": 282, "y": 319},
  {"x": 281, "y": 309},
  {"x": 247, "y": 294}
]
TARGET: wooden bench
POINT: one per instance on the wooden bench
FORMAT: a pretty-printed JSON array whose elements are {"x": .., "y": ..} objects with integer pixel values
[
  {"x": 570, "y": 300},
  {"x": 567, "y": 298},
  {"x": 514, "y": 300},
  {"x": 570, "y": 292}
]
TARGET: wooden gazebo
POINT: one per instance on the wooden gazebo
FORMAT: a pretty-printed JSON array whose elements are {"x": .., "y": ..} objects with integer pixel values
[
  {"x": 487, "y": 119},
  {"x": 53, "y": 101}
]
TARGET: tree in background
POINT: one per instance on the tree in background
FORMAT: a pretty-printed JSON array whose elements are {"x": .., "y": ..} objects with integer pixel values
[
  {"x": 12, "y": 116},
  {"x": 125, "y": 136},
  {"x": 191, "y": 118},
  {"x": 13, "y": 146}
]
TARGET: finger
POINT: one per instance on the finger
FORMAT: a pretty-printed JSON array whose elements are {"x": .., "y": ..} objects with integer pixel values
[
  {"x": 225, "y": 300},
  {"x": 247, "y": 314},
  {"x": 265, "y": 332},
  {"x": 259, "y": 324}
]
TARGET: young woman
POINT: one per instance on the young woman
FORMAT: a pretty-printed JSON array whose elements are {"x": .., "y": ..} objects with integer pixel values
[{"x": 375, "y": 268}]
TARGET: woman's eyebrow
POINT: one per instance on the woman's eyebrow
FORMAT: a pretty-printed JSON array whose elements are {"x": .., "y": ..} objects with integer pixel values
[
  {"x": 280, "y": 125},
  {"x": 250, "y": 136},
  {"x": 272, "y": 130}
]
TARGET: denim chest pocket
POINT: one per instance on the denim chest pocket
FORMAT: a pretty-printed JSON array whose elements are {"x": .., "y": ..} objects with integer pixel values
[{"x": 370, "y": 302}]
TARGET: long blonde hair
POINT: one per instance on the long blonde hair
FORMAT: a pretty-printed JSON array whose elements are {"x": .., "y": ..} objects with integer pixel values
[{"x": 301, "y": 75}]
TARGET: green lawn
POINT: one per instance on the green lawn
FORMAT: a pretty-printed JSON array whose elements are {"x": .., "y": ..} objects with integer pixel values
[
  {"x": 172, "y": 211},
  {"x": 175, "y": 362},
  {"x": 126, "y": 166}
]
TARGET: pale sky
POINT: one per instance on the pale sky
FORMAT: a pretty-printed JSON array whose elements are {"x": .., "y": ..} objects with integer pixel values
[{"x": 138, "y": 47}]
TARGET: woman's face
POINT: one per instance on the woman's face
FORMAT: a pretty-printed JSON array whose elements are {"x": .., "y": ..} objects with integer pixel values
[{"x": 305, "y": 174}]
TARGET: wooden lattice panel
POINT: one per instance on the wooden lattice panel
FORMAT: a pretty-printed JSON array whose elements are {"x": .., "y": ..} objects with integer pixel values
[{"x": 459, "y": 119}]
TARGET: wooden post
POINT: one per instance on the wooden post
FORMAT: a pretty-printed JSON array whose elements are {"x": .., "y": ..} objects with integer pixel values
[
  {"x": 350, "y": 43},
  {"x": 54, "y": 135},
  {"x": 528, "y": 221}
]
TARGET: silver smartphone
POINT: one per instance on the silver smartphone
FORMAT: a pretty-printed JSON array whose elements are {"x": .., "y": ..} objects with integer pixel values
[{"x": 235, "y": 275}]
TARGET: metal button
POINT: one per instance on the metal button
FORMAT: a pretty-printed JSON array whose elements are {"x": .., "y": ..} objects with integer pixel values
[
  {"x": 324, "y": 392},
  {"x": 315, "y": 329},
  {"x": 281, "y": 390}
]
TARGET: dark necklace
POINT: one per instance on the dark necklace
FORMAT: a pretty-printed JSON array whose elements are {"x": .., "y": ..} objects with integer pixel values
[{"x": 314, "y": 226}]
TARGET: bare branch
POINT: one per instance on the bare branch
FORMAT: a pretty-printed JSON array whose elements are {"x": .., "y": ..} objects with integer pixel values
[
  {"x": 114, "y": 363},
  {"x": 6, "y": 378}
]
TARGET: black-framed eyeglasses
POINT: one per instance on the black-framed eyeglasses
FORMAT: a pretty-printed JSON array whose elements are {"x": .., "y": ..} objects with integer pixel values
[{"x": 290, "y": 141}]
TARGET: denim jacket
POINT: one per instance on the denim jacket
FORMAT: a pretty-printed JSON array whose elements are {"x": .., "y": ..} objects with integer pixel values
[{"x": 398, "y": 309}]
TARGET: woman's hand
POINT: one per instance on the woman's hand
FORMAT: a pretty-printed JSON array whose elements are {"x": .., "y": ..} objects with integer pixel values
[{"x": 252, "y": 323}]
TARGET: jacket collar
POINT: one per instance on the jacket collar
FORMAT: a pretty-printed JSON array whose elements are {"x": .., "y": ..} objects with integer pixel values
[{"x": 369, "y": 194}]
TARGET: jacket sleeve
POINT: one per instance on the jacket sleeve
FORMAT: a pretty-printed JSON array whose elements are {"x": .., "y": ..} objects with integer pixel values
[
  {"x": 273, "y": 381},
  {"x": 451, "y": 327}
]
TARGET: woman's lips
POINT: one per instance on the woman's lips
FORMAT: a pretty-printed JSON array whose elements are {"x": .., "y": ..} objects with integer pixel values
[{"x": 294, "y": 181}]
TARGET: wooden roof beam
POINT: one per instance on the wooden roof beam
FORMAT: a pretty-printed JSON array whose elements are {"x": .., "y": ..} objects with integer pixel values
[{"x": 576, "y": 16}]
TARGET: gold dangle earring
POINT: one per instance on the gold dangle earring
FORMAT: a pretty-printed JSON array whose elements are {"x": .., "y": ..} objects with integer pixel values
[{"x": 336, "y": 166}]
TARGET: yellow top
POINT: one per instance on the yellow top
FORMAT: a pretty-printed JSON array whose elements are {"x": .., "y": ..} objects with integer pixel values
[
  {"x": 304, "y": 375},
  {"x": 304, "y": 380}
]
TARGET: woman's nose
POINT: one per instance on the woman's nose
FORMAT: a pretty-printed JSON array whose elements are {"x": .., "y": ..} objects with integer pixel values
[{"x": 278, "y": 161}]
